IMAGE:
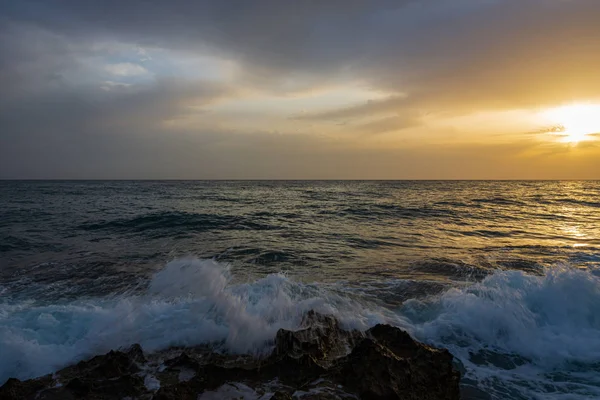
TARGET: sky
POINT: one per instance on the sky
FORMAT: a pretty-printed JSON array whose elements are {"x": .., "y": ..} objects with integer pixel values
[{"x": 276, "y": 89}]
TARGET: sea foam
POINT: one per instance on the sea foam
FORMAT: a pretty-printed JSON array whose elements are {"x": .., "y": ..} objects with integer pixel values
[
  {"x": 516, "y": 335},
  {"x": 520, "y": 335},
  {"x": 189, "y": 302}
]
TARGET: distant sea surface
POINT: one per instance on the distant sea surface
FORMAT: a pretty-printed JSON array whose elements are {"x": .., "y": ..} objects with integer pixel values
[{"x": 506, "y": 275}]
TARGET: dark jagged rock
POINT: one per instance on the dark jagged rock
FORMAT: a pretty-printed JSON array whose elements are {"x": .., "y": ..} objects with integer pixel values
[
  {"x": 178, "y": 392},
  {"x": 136, "y": 354},
  {"x": 321, "y": 338},
  {"x": 114, "y": 364},
  {"x": 319, "y": 361},
  {"x": 16, "y": 389},
  {"x": 123, "y": 386},
  {"x": 292, "y": 370},
  {"x": 182, "y": 361},
  {"x": 398, "y": 341},
  {"x": 389, "y": 364},
  {"x": 281, "y": 396}
]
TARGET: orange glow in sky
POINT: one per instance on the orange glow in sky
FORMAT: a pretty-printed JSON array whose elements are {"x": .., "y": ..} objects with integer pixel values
[{"x": 575, "y": 122}]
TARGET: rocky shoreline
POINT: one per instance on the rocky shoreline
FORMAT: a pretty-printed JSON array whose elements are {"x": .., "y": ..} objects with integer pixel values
[{"x": 318, "y": 361}]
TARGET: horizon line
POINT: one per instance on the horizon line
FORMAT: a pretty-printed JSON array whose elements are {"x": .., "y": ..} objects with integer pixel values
[{"x": 294, "y": 180}]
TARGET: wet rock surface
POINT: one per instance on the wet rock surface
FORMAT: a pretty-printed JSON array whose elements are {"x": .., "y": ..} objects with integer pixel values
[{"x": 319, "y": 361}]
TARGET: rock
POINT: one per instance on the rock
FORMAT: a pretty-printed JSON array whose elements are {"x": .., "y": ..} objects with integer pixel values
[
  {"x": 111, "y": 365},
  {"x": 322, "y": 339},
  {"x": 56, "y": 394},
  {"x": 177, "y": 392},
  {"x": 319, "y": 361},
  {"x": 389, "y": 364},
  {"x": 279, "y": 395},
  {"x": 18, "y": 390},
  {"x": 468, "y": 392},
  {"x": 208, "y": 377},
  {"x": 102, "y": 377},
  {"x": 115, "y": 388},
  {"x": 124, "y": 386},
  {"x": 136, "y": 354},
  {"x": 397, "y": 340},
  {"x": 13, "y": 388},
  {"x": 78, "y": 387},
  {"x": 182, "y": 361},
  {"x": 294, "y": 371}
]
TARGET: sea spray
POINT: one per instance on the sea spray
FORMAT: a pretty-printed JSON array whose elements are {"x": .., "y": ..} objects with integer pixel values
[
  {"x": 189, "y": 302},
  {"x": 516, "y": 335},
  {"x": 520, "y": 335}
]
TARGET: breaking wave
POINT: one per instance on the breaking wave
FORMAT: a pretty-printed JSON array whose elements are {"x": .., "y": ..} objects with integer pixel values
[
  {"x": 189, "y": 302},
  {"x": 515, "y": 335},
  {"x": 519, "y": 335}
]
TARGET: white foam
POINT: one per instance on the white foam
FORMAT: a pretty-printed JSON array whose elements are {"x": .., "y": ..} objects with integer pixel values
[
  {"x": 151, "y": 383},
  {"x": 237, "y": 391},
  {"x": 186, "y": 374},
  {"x": 189, "y": 302},
  {"x": 551, "y": 323}
]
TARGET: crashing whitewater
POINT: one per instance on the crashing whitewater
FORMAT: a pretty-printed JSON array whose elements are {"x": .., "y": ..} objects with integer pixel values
[{"x": 515, "y": 335}]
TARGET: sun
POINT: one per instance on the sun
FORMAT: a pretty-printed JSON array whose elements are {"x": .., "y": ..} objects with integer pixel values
[{"x": 574, "y": 123}]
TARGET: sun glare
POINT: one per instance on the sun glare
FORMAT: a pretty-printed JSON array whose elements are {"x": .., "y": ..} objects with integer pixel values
[{"x": 574, "y": 123}]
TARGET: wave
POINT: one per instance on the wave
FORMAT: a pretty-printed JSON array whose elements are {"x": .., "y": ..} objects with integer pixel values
[
  {"x": 18, "y": 215},
  {"x": 167, "y": 221},
  {"x": 515, "y": 335},
  {"x": 518, "y": 335},
  {"x": 579, "y": 202},
  {"x": 12, "y": 243},
  {"x": 369, "y": 211},
  {"x": 261, "y": 256},
  {"x": 189, "y": 302},
  {"x": 499, "y": 201},
  {"x": 456, "y": 270}
]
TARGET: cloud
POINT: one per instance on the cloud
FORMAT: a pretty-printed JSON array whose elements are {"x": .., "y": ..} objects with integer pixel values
[
  {"x": 64, "y": 109},
  {"x": 467, "y": 53},
  {"x": 112, "y": 85},
  {"x": 125, "y": 69},
  {"x": 388, "y": 124},
  {"x": 369, "y": 108},
  {"x": 462, "y": 54}
]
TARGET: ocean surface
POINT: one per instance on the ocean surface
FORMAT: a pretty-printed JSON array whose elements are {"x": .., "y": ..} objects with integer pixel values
[{"x": 506, "y": 275}]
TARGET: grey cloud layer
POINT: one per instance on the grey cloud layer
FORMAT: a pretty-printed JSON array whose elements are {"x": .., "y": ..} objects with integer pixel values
[
  {"x": 436, "y": 55},
  {"x": 427, "y": 47}
]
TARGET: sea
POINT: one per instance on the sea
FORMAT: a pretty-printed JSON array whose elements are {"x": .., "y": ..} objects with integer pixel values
[{"x": 504, "y": 274}]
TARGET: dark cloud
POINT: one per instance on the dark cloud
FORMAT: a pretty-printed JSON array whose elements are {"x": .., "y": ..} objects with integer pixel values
[
  {"x": 268, "y": 36},
  {"x": 465, "y": 52},
  {"x": 439, "y": 56},
  {"x": 97, "y": 133}
]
